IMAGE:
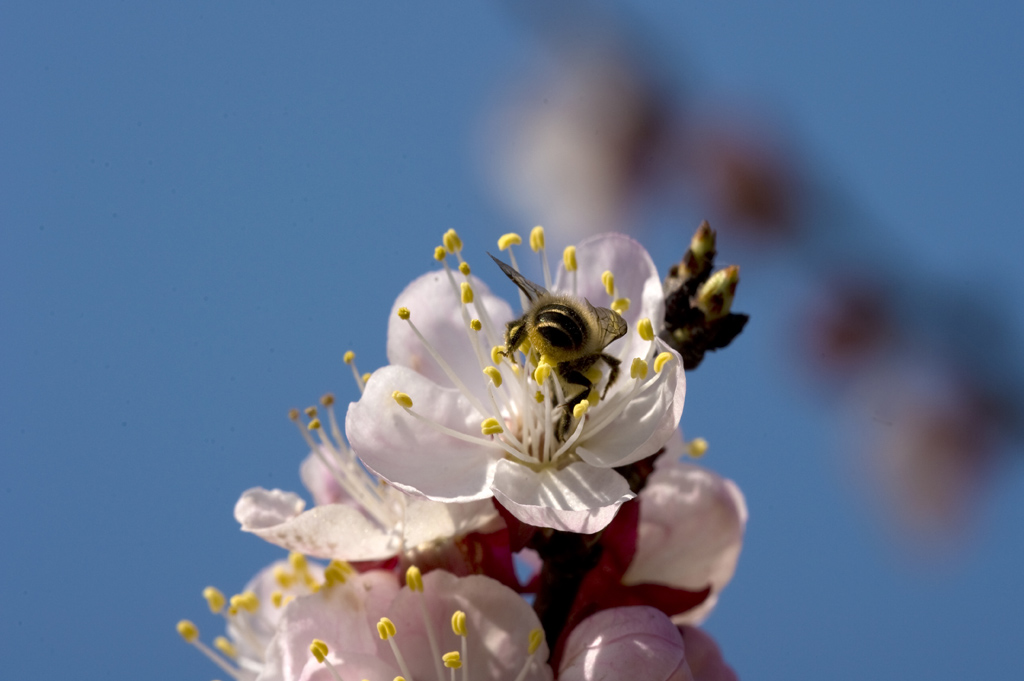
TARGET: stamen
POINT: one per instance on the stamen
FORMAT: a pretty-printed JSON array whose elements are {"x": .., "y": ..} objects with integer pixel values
[
  {"x": 334, "y": 574},
  {"x": 459, "y": 627},
  {"x": 645, "y": 329},
  {"x": 214, "y": 598},
  {"x": 537, "y": 244},
  {"x": 536, "y": 638},
  {"x": 491, "y": 426},
  {"x": 459, "y": 623},
  {"x": 620, "y": 305},
  {"x": 507, "y": 240},
  {"x": 277, "y": 598},
  {"x": 608, "y": 280},
  {"x": 226, "y": 647},
  {"x": 569, "y": 258},
  {"x": 580, "y": 409},
  {"x": 467, "y": 293},
  {"x": 638, "y": 369},
  {"x": 497, "y": 353},
  {"x": 350, "y": 359},
  {"x": 320, "y": 651},
  {"x": 247, "y": 601},
  {"x": 386, "y": 631},
  {"x": 190, "y": 633},
  {"x": 464, "y": 268},
  {"x": 403, "y": 400},
  {"x": 403, "y": 313},
  {"x": 439, "y": 253},
  {"x": 414, "y": 580},
  {"x": 310, "y": 412},
  {"x": 475, "y": 324},
  {"x": 452, "y": 242},
  {"x": 494, "y": 375},
  {"x": 661, "y": 360},
  {"x": 283, "y": 577},
  {"x": 452, "y": 660},
  {"x": 697, "y": 447},
  {"x": 541, "y": 373}
]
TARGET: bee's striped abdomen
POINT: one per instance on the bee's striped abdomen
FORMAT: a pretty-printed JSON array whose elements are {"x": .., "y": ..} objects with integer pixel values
[{"x": 561, "y": 326}]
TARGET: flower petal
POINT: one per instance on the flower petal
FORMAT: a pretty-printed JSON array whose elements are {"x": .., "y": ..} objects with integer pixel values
[
  {"x": 330, "y": 531},
  {"x": 321, "y": 484},
  {"x": 436, "y": 312},
  {"x": 636, "y": 277},
  {"x": 577, "y": 498},
  {"x": 412, "y": 455},
  {"x": 624, "y": 644},
  {"x": 704, "y": 657},
  {"x": 643, "y": 426}
]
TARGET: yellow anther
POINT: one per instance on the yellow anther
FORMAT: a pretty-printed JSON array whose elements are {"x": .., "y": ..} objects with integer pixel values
[
  {"x": 593, "y": 374},
  {"x": 397, "y": 678},
  {"x": 661, "y": 360},
  {"x": 277, "y": 598},
  {"x": 310, "y": 412},
  {"x": 510, "y": 239},
  {"x": 293, "y": 414},
  {"x": 608, "y": 279},
  {"x": 314, "y": 424},
  {"x": 459, "y": 623},
  {"x": 283, "y": 577},
  {"x": 327, "y": 400},
  {"x": 541, "y": 373},
  {"x": 319, "y": 650},
  {"x": 464, "y": 268},
  {"x": 537, "y": 238},
  {"x": 494, "y": 375},
  {"x": 697, "y": 447},
  {"x": 349, "y": 357},
  {"x": 214, "y": 598},
  {"x": 439, "y": 253},
  {"x": 593, "y": 397},
  {"x": 188, "y": 631},
  {"x": 491, "y": 426},
  {"x": 475, "y": 324},
  {"x": 225, "y": 646},
  {"x": 246, "y": 600},
  {"x": 638, "y": 369},
  {"x": 467, "y": 293},
  {"x": 385, "y": 628},
  {"x": 497, "y": 352},
  {"x": 414, "y": 579},
  {"x": 402, "y": 399},
  {"x": 452, "y": 660},
  {"x": 403, "y": 313},
  {"x": 343, "y": 565},
  {"x": 366, "y": 377},
  {"x": 580, "y": 409},
  {"x": 452, "y": 242},
  {"x": 620, "y": 305},
  {"x": 645, "y": 329},
  {"x": 536, "y": 638},
  {"x": 569, "y": 258},
  {"x": 298, "y": 561},
  {"x": 334, "y": 574}
]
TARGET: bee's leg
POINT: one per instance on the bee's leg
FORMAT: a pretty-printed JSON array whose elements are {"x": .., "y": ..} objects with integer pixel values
[
  {"x": 515, "y": 332},
  {"x": 613, "y": 371},
  {"x": 572, "y": 377}
]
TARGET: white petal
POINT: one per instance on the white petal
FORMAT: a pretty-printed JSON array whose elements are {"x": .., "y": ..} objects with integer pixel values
[
  {"x": 436, "y": 312},
  {"x": 412, "y": 455},
  {"x": 428, "y": 521},
  {"x": 578, "y": 498},
  {"x": 636, "y": 277},
  {"x": 644, "y": 426},
  {"x": 321, "y": 484},
  {"x": 332, "y": 531}
]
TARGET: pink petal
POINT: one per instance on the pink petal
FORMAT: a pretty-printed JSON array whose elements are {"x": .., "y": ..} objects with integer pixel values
[
  {"x": 578, "y": 498},
  {"x": 412, "y": 455},
  {"x": 704, "y": 657},
  {"x": 625, "y": 644}
]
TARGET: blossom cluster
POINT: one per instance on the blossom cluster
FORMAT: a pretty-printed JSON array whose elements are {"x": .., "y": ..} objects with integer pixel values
[{"x": 489, "y": 512}]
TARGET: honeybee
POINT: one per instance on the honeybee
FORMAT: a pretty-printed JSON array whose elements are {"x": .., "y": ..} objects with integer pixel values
[{"x": 570, "y": 333}]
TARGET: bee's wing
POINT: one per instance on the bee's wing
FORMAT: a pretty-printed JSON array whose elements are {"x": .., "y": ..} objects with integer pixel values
[
  {"x": 532, "y": 291},
  {"x": 610, "y": 322}
]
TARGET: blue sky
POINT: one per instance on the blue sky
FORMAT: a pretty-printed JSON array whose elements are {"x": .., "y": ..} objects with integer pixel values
[{"x": 204, "y": 205}]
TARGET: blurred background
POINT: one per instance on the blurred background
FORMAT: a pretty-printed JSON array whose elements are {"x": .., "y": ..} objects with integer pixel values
[{"x": 203, "y": 206}]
